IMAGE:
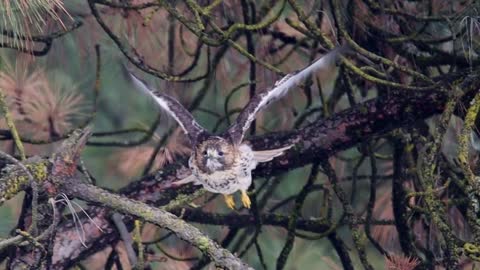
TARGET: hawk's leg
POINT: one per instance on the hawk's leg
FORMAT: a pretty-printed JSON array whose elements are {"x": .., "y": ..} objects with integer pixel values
[
  {"x": 245, "y": 199},
  {"x": 229, "y": 201}
]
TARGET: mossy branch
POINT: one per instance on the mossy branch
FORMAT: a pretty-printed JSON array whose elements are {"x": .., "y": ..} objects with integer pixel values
[{"x": 183, "y": 230}]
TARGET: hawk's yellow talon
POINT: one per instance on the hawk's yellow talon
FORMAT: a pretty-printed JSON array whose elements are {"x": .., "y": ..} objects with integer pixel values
[
  {"x": 229, "y": 201},
  {"x": 245, "y": 199}
]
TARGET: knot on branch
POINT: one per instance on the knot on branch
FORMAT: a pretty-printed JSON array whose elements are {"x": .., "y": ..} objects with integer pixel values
[
  {"x": 48, "y": 173},
  {"x": 65, "y": 160}
]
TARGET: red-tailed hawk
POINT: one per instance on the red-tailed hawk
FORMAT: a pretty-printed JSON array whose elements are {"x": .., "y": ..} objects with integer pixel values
[{"x": 223, "y": 164}]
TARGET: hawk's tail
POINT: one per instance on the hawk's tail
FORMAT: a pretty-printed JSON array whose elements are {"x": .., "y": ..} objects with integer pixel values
[{"x": 267, "y": 155}]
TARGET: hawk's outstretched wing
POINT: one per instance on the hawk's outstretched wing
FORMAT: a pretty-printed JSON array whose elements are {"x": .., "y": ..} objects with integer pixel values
[
  {"x": 281, "y": 87},
  {"x": 183, "y": 117}
]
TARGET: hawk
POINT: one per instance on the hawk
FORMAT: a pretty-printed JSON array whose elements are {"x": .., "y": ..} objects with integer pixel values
[{"x": 223, "y": 163}]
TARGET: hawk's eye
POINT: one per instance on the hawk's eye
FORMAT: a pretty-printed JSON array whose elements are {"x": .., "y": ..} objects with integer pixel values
[
  {"x": 220, "y": 153},
  {"x": 204, "y": 152}
]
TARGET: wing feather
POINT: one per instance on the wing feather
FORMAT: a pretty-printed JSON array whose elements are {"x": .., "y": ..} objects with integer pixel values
[
  {"x": 183, "y": 117},
  {"x": 280, "y": 88},
  {"x": 267, "y": 155}
]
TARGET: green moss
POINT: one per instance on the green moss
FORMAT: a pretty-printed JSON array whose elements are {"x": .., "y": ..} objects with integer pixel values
[
  {"x": 38, "y": 170},
  {"x": 145, "y": 212},
  {"x": 472, "y": 251},
  {"x": 203, "y": 243},
  {"x": 359, "y": 237}
]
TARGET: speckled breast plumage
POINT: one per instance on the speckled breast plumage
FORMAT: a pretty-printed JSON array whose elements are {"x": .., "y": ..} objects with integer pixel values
[{"x": 230, "y": 180}]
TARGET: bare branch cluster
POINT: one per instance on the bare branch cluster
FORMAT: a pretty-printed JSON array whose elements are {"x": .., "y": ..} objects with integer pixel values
[{"x": 375, "y": 175}]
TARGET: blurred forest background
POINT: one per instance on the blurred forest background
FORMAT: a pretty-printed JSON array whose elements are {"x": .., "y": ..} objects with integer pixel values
[{"x": 383, "y": 175}]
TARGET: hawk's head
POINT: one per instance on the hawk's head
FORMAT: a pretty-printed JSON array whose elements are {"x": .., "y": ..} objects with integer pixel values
[{"x": 214, "y": 154}]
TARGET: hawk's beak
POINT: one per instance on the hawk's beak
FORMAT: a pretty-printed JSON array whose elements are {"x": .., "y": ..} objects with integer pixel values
[{"x": 210, "y": 154}]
